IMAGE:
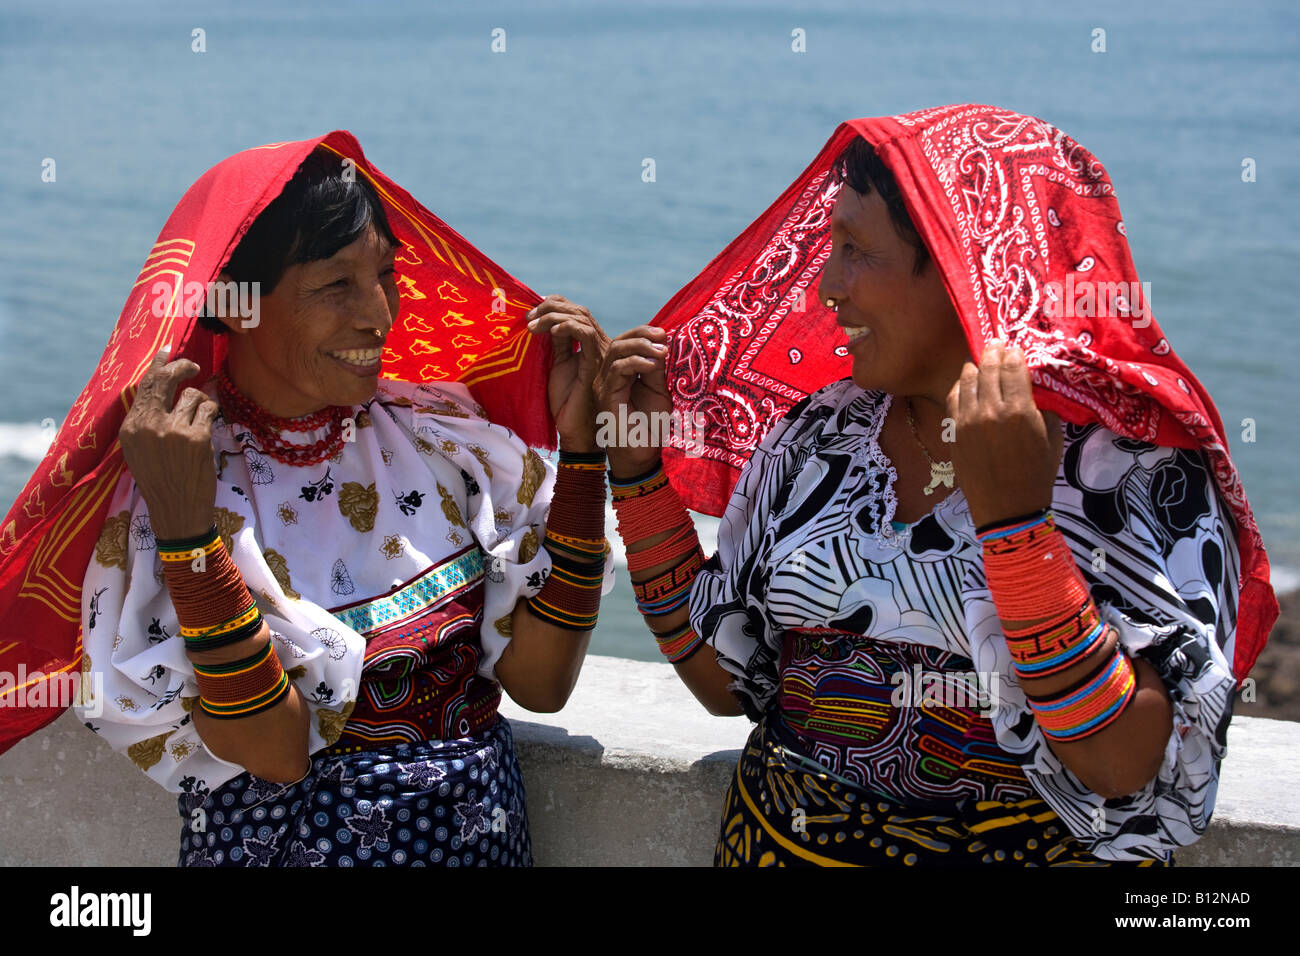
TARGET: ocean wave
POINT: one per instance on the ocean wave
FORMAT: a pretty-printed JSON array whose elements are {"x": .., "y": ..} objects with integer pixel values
[
  {"x": 1284, "y": 579},
  {"x": 26, "y": 441}
]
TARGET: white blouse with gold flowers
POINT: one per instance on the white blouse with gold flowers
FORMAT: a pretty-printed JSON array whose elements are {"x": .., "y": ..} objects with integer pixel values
[{"x": 423, "y": 476}]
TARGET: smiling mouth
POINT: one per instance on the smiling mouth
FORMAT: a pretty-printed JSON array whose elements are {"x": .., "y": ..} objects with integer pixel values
[
  {"x": 855, "y": 334},
  {"x": 362, "y": 358}
]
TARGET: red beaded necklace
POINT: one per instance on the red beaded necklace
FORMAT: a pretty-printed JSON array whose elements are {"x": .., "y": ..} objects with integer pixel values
[{"x": 267, "y": 427}]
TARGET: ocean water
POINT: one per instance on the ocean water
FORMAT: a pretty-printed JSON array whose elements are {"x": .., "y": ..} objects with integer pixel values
[{"x": 535, "y": 155}]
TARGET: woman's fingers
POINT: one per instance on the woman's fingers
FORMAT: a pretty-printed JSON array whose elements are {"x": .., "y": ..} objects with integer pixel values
[
  {"x": 552, "y": 305},
  {"x": 544, "y": 323},
  {"x": 616, "y": 377},
  {"x": 158, "y": 383},
  {"x": 626, "y": 345},
  {"x": 990, "y": 377},
  {"x": 967, "y": 391},
  {"x": 638, "y": 354},
  {"x": 567, "y": 322},
  {"x": 656, "y": 379},
  {"x": 625, "y": 370},
  {"x": 1013, "y": 378},
  {"x": 953, "y": 401},
  {"x": 651, "y": 332},
  {"x": 204, "y": 416},
  {"x": 591, "y": 346},
  {"x": 186, "y": 405},
  {"x": 562, "y": 324}
]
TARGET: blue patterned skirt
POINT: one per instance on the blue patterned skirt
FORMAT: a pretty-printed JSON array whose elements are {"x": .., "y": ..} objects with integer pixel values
[{"x": 436, "y": 803}]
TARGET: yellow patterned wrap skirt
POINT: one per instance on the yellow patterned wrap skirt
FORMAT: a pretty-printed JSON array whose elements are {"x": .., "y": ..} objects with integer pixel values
[{"x": 779, "y": 811}]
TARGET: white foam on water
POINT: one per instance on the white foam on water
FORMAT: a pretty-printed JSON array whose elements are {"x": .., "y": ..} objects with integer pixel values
[
  {"x": 24, "y": 441},
  {"x": 1284, "y": 579}
]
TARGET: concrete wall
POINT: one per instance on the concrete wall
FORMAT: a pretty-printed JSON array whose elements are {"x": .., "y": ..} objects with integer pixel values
[{"x": 631, "y": 772}]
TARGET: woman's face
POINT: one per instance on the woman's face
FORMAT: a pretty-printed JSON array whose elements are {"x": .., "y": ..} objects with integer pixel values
[
  {"x": 314, "y": 343},
  {"x": 905, "y": 336}
]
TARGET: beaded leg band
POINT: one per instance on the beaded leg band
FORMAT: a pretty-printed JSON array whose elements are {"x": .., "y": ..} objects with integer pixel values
[
  {"x": 1033, "y": 578},
  {"x": 575, "y": 538},
  {"x": 211, "y": 600},
  {"x": 645, "y": 505}
]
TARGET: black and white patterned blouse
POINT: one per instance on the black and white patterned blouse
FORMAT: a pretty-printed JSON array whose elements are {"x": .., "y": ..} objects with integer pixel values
[{"x": 807, "y": 540}]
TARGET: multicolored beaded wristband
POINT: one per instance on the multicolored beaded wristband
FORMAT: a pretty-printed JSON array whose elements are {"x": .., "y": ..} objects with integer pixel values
[
  {"x": 185, "y": 544},
  {"x": 670, "y": 590},
  {"x": 625, "y": 489},
  {"x": 678, "y": 644},
  {"x": 1033, "y": 578},
  {"x": 244, "y": 687},
  {"x": 575, "y": 540},
  {"x": 1090, "y": 704},
  {"x": 213, "y": 605},
  {"x": 645, "y": 506}
]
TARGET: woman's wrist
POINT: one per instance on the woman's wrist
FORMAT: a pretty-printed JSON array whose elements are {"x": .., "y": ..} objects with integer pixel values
[
  {"x": 584, "y": 443},
  {"x": 179, "y": 527},
  {"x": 623, "y": 470},
  {"x": 574, "y": 456}
]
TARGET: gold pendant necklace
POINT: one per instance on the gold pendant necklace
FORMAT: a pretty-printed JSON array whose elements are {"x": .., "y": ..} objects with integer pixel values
[{"x": 941, "y": 472}]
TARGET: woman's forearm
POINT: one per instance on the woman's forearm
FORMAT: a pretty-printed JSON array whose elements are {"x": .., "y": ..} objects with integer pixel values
[
  {"x": 700, "y": 672},
  {"x": 272, "y": 743},
  {"x": 248, "y": 712},
  {"x": 540, "y": 666},
  {"x": 1104, "y": 714},
  {"x": 1125, "y": 755},
  {"x": 551, "y": 630}
]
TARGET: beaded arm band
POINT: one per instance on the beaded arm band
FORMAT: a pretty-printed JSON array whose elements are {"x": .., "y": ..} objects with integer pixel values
[
  {"x": 645, "y": 506},
  {"x": 1089, "y": 704},
  {"x": 1032, "y": 577},
  {"x": 215, "y": 610},
  {"x": 575, "y": 538},
  {"x": 677, "y": 645},
  {"x": 212, "y": 602},
  {"x": 244, "y": 687}
]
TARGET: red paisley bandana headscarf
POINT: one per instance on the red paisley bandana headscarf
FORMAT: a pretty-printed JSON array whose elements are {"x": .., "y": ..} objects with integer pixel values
[
  {"x": 1015, "y": 214},
  {"x": 461, "y": 318}
]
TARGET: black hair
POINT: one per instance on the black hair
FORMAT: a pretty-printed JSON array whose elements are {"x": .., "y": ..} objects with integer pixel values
[
  {"x": 863, "y": 171},
  {"x": 320, "y": 211}
]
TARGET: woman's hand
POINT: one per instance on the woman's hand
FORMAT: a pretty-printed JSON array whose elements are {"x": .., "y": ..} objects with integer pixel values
[
  {"x": 1007, "y": 452},
  {"x": 572, "y": 373},
  {"x": 632, "y": 382},
  {"x": 169, "y": 449}
]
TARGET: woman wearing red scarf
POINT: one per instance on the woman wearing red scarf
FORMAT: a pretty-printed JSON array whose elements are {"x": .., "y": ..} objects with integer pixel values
[
  {"x": 988, "y": 597},
  {"x": 307, "y": 578}
]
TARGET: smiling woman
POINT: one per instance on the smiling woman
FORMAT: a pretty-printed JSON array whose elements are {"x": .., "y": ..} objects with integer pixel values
[
  {"x": 928, "y": 518},
  {"x": 322, "y": 255},
  {"x": 315, "y": 578}
]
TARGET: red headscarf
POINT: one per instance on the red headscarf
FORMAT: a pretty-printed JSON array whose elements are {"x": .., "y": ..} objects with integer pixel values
[
  {"x": 461, "y": 319},
  {"x": 1016, "y": 215}
]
